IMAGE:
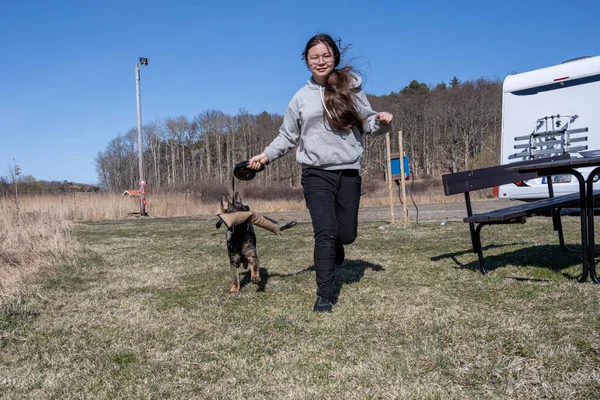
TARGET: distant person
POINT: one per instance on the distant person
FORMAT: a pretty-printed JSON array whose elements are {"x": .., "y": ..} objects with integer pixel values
[{"x": 328, "y": 116}]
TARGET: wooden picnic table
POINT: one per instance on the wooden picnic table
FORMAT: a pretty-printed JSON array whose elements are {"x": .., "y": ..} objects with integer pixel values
[
  {"x": 586, "y": 202},
  {"x": 466, "y": 182}
]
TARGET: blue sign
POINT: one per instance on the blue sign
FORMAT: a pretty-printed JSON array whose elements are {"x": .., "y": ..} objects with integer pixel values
[{"x": 396, "y": 167}]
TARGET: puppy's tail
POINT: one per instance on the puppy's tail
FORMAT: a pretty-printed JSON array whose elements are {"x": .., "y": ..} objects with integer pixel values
[{"x": 288, "y": 226}]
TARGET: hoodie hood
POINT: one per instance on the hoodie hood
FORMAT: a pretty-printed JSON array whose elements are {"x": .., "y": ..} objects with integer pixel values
[{"x": 354, "y": 84}]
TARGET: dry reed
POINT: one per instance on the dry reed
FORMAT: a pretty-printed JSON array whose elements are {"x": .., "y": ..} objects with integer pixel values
[
  {"x": 108, "y": 206},
  {"x": 31, "y": 241}
]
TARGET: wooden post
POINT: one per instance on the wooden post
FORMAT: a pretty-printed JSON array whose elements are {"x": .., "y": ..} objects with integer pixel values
[
  {"x": 389, "y": 168},
  {"x": 402, "y": 180}
]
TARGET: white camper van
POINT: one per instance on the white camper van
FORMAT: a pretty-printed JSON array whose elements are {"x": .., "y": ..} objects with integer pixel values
[{"x": 547, "y": 112}]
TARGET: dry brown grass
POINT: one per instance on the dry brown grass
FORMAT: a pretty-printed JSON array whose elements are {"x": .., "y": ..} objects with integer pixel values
[
  {"x": 108, "y": 206},
  {"x": 143, "y": 312},
  {"x": 30, "y": 241}
]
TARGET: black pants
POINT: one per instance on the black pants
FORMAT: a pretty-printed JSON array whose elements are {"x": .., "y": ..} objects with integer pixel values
[{"x": 332, "y": 198}]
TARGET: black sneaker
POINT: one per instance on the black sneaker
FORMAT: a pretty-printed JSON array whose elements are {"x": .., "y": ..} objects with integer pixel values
[
  {"x": 323, "y": 304},
  {"x": 340, "y": 254}
]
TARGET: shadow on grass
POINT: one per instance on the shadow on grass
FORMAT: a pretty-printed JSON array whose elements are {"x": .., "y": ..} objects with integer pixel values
[
  {"x": 264, "y": 278},
  {"x": 453, "y": 256},
  {"x": 550, "y": 257},
  {"x": 351, "y": 271}
]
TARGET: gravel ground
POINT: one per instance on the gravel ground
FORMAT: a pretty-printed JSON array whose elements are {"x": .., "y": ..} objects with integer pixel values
[{"x": 437, "y": 212}]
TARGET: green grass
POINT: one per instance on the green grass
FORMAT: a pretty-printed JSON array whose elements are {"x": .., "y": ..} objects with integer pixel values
[{"x": 145, "y": 313}]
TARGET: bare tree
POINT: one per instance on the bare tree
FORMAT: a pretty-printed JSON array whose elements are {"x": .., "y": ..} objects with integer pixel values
[{"x": 14, "y": 174}]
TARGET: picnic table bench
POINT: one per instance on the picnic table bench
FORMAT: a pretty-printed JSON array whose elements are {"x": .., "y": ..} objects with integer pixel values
[{"x": 484, "y": 178}]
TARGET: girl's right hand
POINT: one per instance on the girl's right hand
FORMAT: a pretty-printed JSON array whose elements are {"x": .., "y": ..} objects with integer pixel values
[
  {"x": 256, "y": 161},
  {"x": 384, "y": 117}
]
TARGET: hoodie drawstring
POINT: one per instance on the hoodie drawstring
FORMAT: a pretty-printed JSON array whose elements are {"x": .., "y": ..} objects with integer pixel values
[{"x": 321, "y": 90}]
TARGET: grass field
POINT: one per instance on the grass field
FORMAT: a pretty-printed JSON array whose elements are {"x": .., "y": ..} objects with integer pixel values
[{"x": 145, "y": 313}]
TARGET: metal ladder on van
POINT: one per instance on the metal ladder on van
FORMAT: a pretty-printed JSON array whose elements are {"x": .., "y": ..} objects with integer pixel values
[{"x": 551, "y": 137}]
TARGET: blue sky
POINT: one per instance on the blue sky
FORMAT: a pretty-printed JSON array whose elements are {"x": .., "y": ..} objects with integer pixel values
[{"x": 67, "y": 81}]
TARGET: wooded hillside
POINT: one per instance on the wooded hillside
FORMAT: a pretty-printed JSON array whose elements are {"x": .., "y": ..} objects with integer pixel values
[{"x": 446, "y": 128}]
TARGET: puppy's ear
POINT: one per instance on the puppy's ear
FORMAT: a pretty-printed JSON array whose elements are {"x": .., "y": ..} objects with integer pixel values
[
  {"x": 224, "y": 203},
  {"x": 237, "y": 198}
]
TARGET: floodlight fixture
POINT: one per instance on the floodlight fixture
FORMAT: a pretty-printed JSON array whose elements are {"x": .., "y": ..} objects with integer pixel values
[{"x": 143, "y": 61}]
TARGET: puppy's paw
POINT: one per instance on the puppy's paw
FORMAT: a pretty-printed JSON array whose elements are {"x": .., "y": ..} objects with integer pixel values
[{"x": 234, "y": 289}]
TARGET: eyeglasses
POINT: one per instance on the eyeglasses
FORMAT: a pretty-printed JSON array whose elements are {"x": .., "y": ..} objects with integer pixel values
[{"x": 327, "y": 58}]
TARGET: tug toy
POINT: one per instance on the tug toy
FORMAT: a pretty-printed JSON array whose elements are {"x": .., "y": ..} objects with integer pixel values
[
  {"x": 240, "y": 217},
  {"x": 243, "y": 173}
]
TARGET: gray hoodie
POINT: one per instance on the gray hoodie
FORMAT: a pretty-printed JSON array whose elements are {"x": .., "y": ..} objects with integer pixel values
[{"x": 320, "y": 145}]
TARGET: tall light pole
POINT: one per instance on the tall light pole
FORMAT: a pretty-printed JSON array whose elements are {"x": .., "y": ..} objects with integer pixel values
[{"x": 142, "y": 194}]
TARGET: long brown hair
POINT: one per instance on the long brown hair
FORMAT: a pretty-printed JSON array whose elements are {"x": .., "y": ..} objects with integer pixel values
[{"x": 339, "y": 89}]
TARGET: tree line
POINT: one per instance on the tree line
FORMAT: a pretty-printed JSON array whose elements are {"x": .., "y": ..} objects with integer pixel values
[
  {"x": 446, "y": 128},
  {"x": 14, "y": 184}
]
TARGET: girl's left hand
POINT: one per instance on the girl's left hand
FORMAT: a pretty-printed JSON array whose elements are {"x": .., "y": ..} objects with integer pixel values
[{"x": 384, "y": 117}]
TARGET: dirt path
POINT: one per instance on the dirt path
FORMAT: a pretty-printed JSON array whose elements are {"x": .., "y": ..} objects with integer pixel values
[{"x": 426, "y": 212}]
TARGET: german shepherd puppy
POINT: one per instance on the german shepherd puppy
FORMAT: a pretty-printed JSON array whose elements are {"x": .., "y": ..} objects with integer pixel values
[{"x": 241, "y": 243}]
